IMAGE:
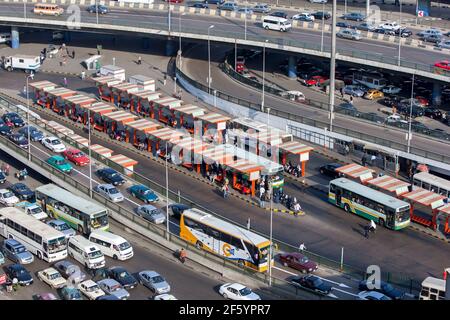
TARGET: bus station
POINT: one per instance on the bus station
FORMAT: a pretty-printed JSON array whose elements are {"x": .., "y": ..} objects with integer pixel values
[
  {"x": 40, "y": 89},
  {"x": 162, "y": 109},
  {"x": 115, "y": 122},
  {"x": 57, "y": 98},
  {"x": 94, "y": 113},
  {"x": 104, "y": 84},
  {"x": 75, "y": 105},
  {"x": 140, "y": 102},
  {"x": 356, "y": 172},
  {"x": 138, "y": 130},
  {"x": 390, "y": 185},
  {"x": 213, "y": 121},
  {"x": 186, "y": 115},
  {"x": 121, "y": 94}
]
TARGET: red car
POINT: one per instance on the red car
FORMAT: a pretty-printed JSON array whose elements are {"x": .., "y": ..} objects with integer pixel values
[
  {"x": 298, "y": 261},
  {"x": 445, "y": 64},
  {"x": 76, "y": 156},
  {"x": 423, "y": 101},
  {"x": 314, "y": 81}
]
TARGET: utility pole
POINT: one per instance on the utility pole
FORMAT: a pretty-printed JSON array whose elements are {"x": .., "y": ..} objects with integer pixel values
[
  {"x": 89, "y": 151},
  {"x": 410, "y": 113},
  {"x": 332, "y": 64},
  {"x": 400, "y": 35}
]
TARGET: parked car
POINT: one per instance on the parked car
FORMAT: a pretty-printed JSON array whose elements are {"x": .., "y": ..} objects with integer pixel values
[
  {"x": 69, "y": 293},
  {"x": 45, "y": 296},
  {"x": 7, "y": 198},
  {"x": 433, "y": 113},
  {"x": 404, "y": 33},
  {"x": 112, "y": 287},
  {"x": 330, "y": 170},
  {"x": 91, "y": 289},
  {"x": 229, "y": 6},
  {"x": 261, "y": 8},
  {"x": 373, "y": 94},
  {"x": 428, "y": 32},
  {"x": 200, "y": 5},
  {"x": 366, "y": 26},
  {"x": 396, "y": 119},
  {"x": 76, "y": 156},
  {"x": 298, "y": 261},
  {"x": 54, "y": 144},
  {"x": 121, "y": 275},
  {"x": 318, "y": 1},
  {"x": 314, "y": 81},
  {"x": 349, "y": 34},
  {"x": 420, "y": 127},
  {"x": 5, "y": 130},
  {"x": 111, "y": 176},
  {"x": 101, "y": 9},
  {"x": 245, "y": 10},
  {"x": 215, "y": 1},
  {"x": 312, "y": 283},
  {"x": 151, "y": 213},
  {"x": 353, "y": 90},
  {"x": 18, "y": 271},
  {"x": 2, "y": 177},
  {"x": 279, "y": 14},
  {"x": 444, "y": 64},
  {"x": 237, "y": 291},
  {"x": 434, "y": 38},
  {"x": 35, "y": 134},
  {"x": 319, "y": 15},
  {"x": 109, "y": 192},
  {"x": 444, "y": 44},
  {"x": 391, "y": 26},
  {"x": 355, "y": 16},
  {"x": 304, "y": 16},
  {"x": 19, "y": 140},
  {"x": 391, "y": 89},
  {"x": 14, "y": 118},
  {"x": 347, "y": 108},
  {"x": 63, "y": 227},
  {"x": 70, "y": 271},
  {"x": 153, "y": 281},
  {"x": 22, "y": 191},
  {"x": 107, "y": 297},
  {"x": 60, "y": 163},
  {"x": 177, "y": 209},
  {"x": 143, "y": 193},
  {"x": 343, "y": 24},
  {"x": 384, "y": 288},
  {"x": 372, "y": 295},
  {"x": 52, "y": 277}
]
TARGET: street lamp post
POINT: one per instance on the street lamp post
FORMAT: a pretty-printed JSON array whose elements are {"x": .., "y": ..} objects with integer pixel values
[
  {"x": 96, "y": 10},
  {"x": 400, "y": 35},
  {"x": 28, "y": 118},
  {"x": 410, "y": 113},
  {"x": 332, "y": 64},
  {"x": 245, "y": 21},
  {"x": 89, "y": 151},
  {"x": 167, "y": 196},
  {"x": 323, "y": 26},
  {"x": 179, "y": 30},
  {"x": 209, "y": 60},
  {"x": 271, "y": 244},
  {"x": 25, "y": 9},
  {"x": 264, "y": 75},
  {"x": 168, "y": 16}
]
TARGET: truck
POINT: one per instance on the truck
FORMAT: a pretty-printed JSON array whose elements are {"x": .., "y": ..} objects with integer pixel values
[
  {"x": 30, "y": 64},
  {"x": 33, "y": 209}
]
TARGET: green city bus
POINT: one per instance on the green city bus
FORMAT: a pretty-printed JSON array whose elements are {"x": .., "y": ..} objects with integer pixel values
[
  {"x": 81, "y": 214},
  {"x": 369, "y": 203}
]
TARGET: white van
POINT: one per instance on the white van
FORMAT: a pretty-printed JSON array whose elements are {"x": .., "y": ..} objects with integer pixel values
[
  {"x": 85, "y": 252},
  {"x": 276, "y": 23},
  {"x": 111, "y": 244},
  {"x": 5, "y": 37}
]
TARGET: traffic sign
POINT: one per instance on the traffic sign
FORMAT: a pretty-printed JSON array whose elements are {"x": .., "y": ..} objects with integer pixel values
[{"x": 420, "y": 13}]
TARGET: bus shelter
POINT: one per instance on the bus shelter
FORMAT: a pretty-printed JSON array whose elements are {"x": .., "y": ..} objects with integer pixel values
[
  {"x": 140, "y": 102},
  {"x": 95, "y": 111},
  {"x": 163, "y": 136},
  {"x": 215, "y": 122},
  {"x": 101, "y": 150},
  {"x": 445, "y": 209},
  {"x": 185, "y": 149},
  {"x": 298, "y": 151},
  {"x": 138, "y": 130},
  {"x": 104, "y": 84},
  {"x": 215, "y": 156},
  {"x": 115, "y": 122},
  {"x": 390, "y": 184},
  {"x": 186, "y": 115},
  {"x": 121, "y": 94},
  {"x": 59, "y": 128},
  {"x": 244, "y": 175},
  {"x": 40, "y": 89},
  {"x": 427, "y": 199},
  {"x": 75, "y": 105},
  {"x": 125, "y": 162},
  {"x": 162, "y": 109},
  {"x": 58, "y": 98},
  {"x": 356, "y": 172},
  {"x": 81, "y": 141},
  {"x": 144, "y": 82},
  {"x": 247, "y": 124}
]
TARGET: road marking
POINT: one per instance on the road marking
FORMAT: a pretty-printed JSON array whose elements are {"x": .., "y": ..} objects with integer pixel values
[
  {"x": 332, "y": 296},
  {"x": 288, "y": 272},
  {"x": 343, "y": 291},
  {"x": 340, "y": 284}
]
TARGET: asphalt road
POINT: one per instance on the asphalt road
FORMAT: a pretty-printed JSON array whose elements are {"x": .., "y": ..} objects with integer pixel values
[
  {"x": 325, "y": 229},
  {"x": 229, "y": 28},
  {"x": 195, "y": 63}
]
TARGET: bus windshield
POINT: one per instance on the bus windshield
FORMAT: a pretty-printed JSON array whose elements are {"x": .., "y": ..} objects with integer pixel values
[
  {"x": 263, "y": 253},
  {"x": 95, "y": 254},
  {"x": 402, "y": 214},
  {"x": 56, "y": 245}
]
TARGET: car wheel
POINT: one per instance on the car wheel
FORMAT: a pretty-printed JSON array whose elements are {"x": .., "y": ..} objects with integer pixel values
[
  {"x": 198, "y": 245},
  {"x": 266, "y": 27},
  {"x": 225, "y": 295},
  {"x": 80, "y": 229},
  {"x": 285, "y": 264},
  {"x": 115, "y": 257},
  {"x": 347, "y": 208},
  {"x": 39, "y": 255}
]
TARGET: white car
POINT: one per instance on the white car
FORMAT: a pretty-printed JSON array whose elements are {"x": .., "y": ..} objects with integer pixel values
[
  {"x": 390, "y": 26},
  {"x": 372, "y": 295},
  {"x": 110, "y": 192},
  {"x": 391, "y": 89},
  {"x": 396, "y": 118},
  {"x": 8, "y": 198},
  {"x": 52, "y": 277},
  {"x": 349, "y": 34},
  {"x": 165, "y": 296},
  {"x": 318, "y": 1},
  {"x": 237, "y": 291},
  {"x": 54, "y": 144},
  {"x": 91, "y": 289},
  {"x": 304, "y": 16}
]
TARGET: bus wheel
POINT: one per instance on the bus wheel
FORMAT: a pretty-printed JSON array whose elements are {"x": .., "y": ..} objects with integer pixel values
[
  {"x": 80, "y": 229},
  {"x": 285, "y": 264},
  {"x": 39, "y": 255},
  {"x": 381, "y": 222},
  {"x": 198, "y": 245},
  {"x": 346, "y": 208},
  {"x": 115, "y": 257},
  {"x": 241, "y": 263}
]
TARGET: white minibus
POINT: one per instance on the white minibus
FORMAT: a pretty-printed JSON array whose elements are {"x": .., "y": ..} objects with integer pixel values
[
  {"x": 85, "y": 252},
  {"x": 111, "y": 244},
  {"x": 276, "y": 23}
]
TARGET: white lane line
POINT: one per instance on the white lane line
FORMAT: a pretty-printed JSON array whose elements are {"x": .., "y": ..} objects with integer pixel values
[
  {"x": 346, "y": 292},
  {"x": 288, "y": 272},
  {"x": 340, "y": 284}
]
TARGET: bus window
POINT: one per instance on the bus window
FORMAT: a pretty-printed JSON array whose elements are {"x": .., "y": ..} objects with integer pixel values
[{"x": 235, "y": 242}]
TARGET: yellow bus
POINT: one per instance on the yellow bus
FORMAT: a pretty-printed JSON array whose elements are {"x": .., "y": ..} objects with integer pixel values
[
  {"x": 48, "y": 9},
  {"x": 225, "y": 239}
]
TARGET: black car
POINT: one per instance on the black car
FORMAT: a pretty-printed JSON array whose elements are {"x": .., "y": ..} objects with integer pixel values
[
  {"x": 215, "y": 1},
  {"x": 330, "y": 170},
  {"x": 419, "y": 127},
  {"x": 321, "y": 15},
  {"x": 200, "y": 5},
  {"x": 342, "y": 24},
  {"x": 111, "y": 176},
  {"x": 312, "y": 283},
  {"x": 406, "y": 110},
  {"x": 14, "y": 118},
  {"x": 385, "y": 288},
  {"x": 5, "y": 130},
  {"x": 405, "y": 33},
  {"x": 98, "y": 274},
  {"x": 433, "y": 113},
  {"x": 19, "y": 140},
  {"x": 391, "y": 101},
  {"x": 17, "y": 271},
  {"x": 121, "y": 275},
  {"x": 98, "y": 9},
  {"x": 178, "y": 208},
  {"x": 21, "y": 191},
  {"x": 347, "y": 108},
  {"x": 2, "y": 177},
  {"x": 279, "y": 14}
]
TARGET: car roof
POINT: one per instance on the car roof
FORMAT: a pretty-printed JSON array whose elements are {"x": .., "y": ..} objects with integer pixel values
[
  {"x": 237, "y": 286},
  {"x": 148, "y": 206},
  {"x": 109, "y": 282},
  {"x": 150, "y": 273},
  {"x": 373, "y": 294},
  {"x": 57, "y": 157},
  {"x": 16, "y": 266},
  {"x": 89, "y": 283},
  {"x": 56, "y": 221},
  {"x": 65, "y": 263},
  {"x": 13, "y": 242},
  {"x": 51, "y": 270},
  {"x": 106, "y": 185}
]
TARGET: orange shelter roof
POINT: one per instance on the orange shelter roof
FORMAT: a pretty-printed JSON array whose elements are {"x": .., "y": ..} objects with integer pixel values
[
  {"x": 167, "y": 134},
  {"x": 39, "y": 85},
  {"x": 144, "y": 125},
  {"x": 61, "y": 92},
  {"x": 101, "y": 107},
  {"x": 80, "y": 99},
  {"x": 425, "y": 197},
  {"x": 295, "y": 147},
  {"x": 120, "y": 116},
  {"x": 106, "y": 80},
  {"x": 213, "y": 118},
  {"x": 356, "y": 171},
  {"x": 122, "y": 160},
  {"x": 390, "y": 184},
  {"x": 189, "y": 109}
]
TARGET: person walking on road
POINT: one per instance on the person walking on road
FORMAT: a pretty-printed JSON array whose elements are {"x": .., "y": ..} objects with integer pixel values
[
  {"x": 139, "y": 60},
  {"x": 302, "y": 247},
  {"x": 225, "y": 189},
  {"x": 65, "y": 82},
  {"x": 262, "y": 195}
]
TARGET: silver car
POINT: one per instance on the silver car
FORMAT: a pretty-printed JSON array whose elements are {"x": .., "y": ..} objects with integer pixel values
[
  {"x": 349, "y": 34},
  {"x": 445, "y": 44},
  {"x": 70, "y": 271},
  {"x": 261, "y": 8},
  {"x": 110, "y": 192},
  {"x": 63, "y": 227},
  {"x": 15, "y": 251},
  {"x": 151, "y": 213},
  {"x": 112, "y": 287},
  {"x": 154, "y": 281}
]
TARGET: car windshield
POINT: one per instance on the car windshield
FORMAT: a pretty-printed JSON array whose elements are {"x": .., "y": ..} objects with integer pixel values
[
  {"x": 20, "y": 271},
  {"x": 124, "y": 245},
  {"x": 95, "y": 254},
  {"x": 56, "y": 141},
  {"x": 113, "y": 191},
  {"x": 78, "y": 155},
  {"x": 73, "y": 294},
  {"x": 56, "y": 245},
  {"x": 93, "y": 288},
  {"x": 8, "y": 194},
  {"x": 36, "y": 210},
  {"x": 100, "y": 221},
  {"x": 54, "y": 276},
  {"x": 317, "y": 282},
  {"x": 20, "y": 249},
  {"x": 60, "y": 162},
  {"x": 62, "y": 227},
  {"x": 115, "y": 287},
  {"x": 147, "y": 192},
  {"x": 156, "y": 212},
  {"x": 304, "y": 260},
  {"x": 124, "y": 274},
  {"x": 113, "y": 174},
  {"x": 384, "y": 298},
  {"x": 245, "y": 291},
  {"x": 157, "y": 279}
]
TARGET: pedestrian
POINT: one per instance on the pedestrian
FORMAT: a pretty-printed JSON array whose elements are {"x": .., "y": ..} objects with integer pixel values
[
  {"x": 24, "y": 90},
  {"x": 302, "y": 247},
  {"x": 262, "y": 194},
  {"x": 139, "y": 60},
  {"x": 65, "y": 82},
  {"x": 351, "y": 99},
  {"x": 372, "y": 160},
  {"x": 248, "y": 224},
  {"x": 73, "y": 54},
  {"x": 366, "y": 232},
  {"x": 347, "y": 149},
  {"x": 342, "y": 93},
  {"x": 83, "y": 75},
  {"x": 165, "y": 79}
]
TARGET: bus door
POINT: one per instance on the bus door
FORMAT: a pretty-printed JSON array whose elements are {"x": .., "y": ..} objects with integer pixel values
[
  {"x": 2, "y": 227},
  {"x": 390, "y": 218},
  {"x": 86, "y": 226},
  {"x": 338, "y": 197}
]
